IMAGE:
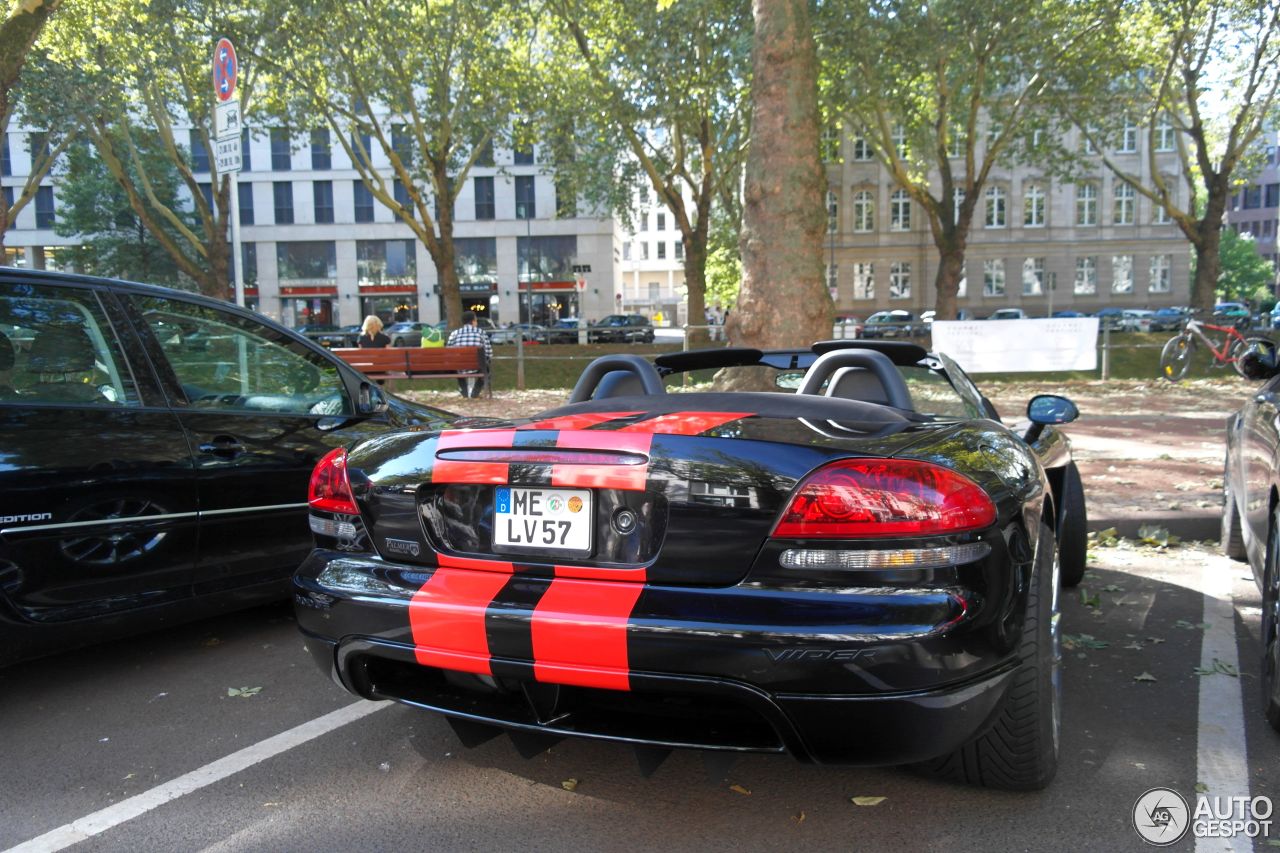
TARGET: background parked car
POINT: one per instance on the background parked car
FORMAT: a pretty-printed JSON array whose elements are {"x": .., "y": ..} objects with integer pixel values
[
  {"x": 621, "y": 328},
  {"x": 1169, "y": 319},
  {"x": 531, "y": 332},
  {"x": 1110, "y": 318},
  {"x": 897, "y": 323},
  {"x": 405, "y": 333},
  {"x": 1069, "y": 314},
  {"x": 1008, "y": 314},
  {"x": 158, "y": 447},
  {"x": 1136, "y": 320},
  {"x": 847, "y": 327},
  {"x": 1232, "y": 314},
  {"x": 565, "y": 331}
]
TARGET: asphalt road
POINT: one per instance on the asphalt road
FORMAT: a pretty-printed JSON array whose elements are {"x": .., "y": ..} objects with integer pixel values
[{"x": 107, "y": 731}]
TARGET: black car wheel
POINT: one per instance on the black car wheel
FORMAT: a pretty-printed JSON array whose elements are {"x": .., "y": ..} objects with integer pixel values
[
  {"x": 1073, "y": 523},
  {"x": 1232, "y": 538},
  {"x": 1020, "y": 750},
  {"x": 1271, "y": 624}
]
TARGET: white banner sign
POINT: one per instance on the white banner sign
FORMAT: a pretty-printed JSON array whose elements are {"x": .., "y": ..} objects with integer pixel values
[
  {"x": 1017, "y": 346},
  {"x": 226, "y": 120},
  {"x": 226, "y": 154}
]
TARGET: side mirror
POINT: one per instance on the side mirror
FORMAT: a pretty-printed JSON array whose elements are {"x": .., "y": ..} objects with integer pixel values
[
  {"x": 1046, "y": 410},
  {"x": 1259, "y": 360},
  {"x": 371, "y": 400}
]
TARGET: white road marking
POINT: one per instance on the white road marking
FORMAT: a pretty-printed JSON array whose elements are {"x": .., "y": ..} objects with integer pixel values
[
  {"x": 1221, "y": 762},
  {"x": 126, "y": 810}
]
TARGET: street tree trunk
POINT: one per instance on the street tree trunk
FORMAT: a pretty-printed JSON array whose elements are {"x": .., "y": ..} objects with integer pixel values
[
  {"x": 784, "y": 301},
  {"x": 1206, "y": 241}
]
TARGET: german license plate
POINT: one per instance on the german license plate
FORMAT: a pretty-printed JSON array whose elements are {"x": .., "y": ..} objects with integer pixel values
[{"x": 542, "y": 520}]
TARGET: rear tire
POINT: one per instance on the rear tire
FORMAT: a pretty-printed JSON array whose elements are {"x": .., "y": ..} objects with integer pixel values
[
  {"x": 1073, "y": 528},
  {"x": 1175, "y": 358},
  {"x": 1020, "y": 750}
]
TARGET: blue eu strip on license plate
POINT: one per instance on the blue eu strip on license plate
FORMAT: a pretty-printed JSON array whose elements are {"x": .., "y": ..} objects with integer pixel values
[{"x": 502, "y": 500}]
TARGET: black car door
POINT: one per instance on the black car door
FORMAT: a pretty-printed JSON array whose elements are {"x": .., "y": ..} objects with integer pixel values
[
  {"x": 259, "y": 408},
  {"x": 1258, "y": 444},
  {"x": 98, "y": 509}
]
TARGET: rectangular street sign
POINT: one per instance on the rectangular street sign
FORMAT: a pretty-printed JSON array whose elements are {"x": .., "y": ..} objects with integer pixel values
[
  {"x": 226, "y": 123},
  {"x": 226, "y": 154}
]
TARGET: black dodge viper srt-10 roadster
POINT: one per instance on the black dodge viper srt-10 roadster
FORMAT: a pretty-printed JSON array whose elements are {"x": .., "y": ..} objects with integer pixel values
[{"x": 863, "y": 570}]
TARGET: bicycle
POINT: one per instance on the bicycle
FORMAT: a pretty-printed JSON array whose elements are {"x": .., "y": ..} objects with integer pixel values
[{"x": 1175, "y": 358}]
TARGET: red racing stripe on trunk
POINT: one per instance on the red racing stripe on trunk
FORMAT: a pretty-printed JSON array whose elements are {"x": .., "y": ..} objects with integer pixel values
[
  {"x": 685, "y": 423},
  {"x": 582, "y": 421},
  {"x": 579, "y": 633},
  {"x": 451, "y": 471},
  {"x": 630, "y": 478},
  {"x": 447, "y": 615},
  {"x": 454, "y": 439}
]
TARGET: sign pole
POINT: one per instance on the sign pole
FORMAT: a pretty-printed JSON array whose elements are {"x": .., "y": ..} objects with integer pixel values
[
  {"x": 237, "y": 256},
  {"x": 226, "y": 133}
]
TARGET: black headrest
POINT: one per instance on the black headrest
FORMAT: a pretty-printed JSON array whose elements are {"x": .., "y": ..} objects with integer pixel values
[
  {"x": 6, "y": 352},
  {"x": 61, "y": 349}
]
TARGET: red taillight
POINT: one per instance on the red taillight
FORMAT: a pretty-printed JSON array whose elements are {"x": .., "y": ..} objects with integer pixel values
[
  {"x": 857, "y": 498},
  {"x": 330, "y": 489}
]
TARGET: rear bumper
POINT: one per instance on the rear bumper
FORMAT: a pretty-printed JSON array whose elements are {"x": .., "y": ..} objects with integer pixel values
[
  {"x": 679, "y": 711},
  {"x": 851, "y": 677}
]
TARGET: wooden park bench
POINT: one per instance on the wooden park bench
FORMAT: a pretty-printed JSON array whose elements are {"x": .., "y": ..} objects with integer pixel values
[{"x": 391, "y": 363}]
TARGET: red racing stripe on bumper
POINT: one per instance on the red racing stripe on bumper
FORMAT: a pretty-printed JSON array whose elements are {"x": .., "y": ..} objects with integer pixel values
[
  {"x": 580, "y": 633},
  {"x": 447, "y": 617}
]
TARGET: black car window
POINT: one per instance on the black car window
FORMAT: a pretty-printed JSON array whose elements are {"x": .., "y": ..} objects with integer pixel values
[
  {"x": 933, "y": 394},
  {"x": 225, "y": 361},
  {"x": 56, "y": 346}
]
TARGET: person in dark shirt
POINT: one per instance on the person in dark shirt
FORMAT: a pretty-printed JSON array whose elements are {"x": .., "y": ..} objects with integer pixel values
[
  {"x": 371, "y": 336},
  {"x": 471, "y": 335}
]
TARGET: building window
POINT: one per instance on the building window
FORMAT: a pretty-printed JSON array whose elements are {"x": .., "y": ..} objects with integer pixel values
[
  {"x": 322, "y": 196},
  {"x": 485, "y": 157},
  {"x": 311, "y": 260},
  {"x": 281, "y": 155},
  {"x": 245, "y": 193},
  {"x": 1086, "y": 276},
  {"x": 321, "y": 150},
  {"x": 644, "y": 251},
  {"x": 475, "y": 259},
  {"x": 1161, "y": 273},
  {"x": 246, "y": 153},
  {"x": 401, "y": 194},
  {"x": 206, "y": 192},
  {"x": 1033, "y": 206},
  {"x": 900, "y": 211},
  {"x": 486, "y": 208},
  {"x": 1164, "y": 134},
  {"x": 1086, "y": 204},
  {"x": 363, "y": 201},
  {"x": 1252, "y": 197},
  {"x": 864, "y": 281},
  {"x": 384, "y": 262},
  {"x": 862, "y": 151},
  {"x": 199, "y": 153},
  {"x": 995, "y": 208},
  {"x": 1086, "y": 142},
  {"x": 900, "y": 140},
  {"x": 831, "y": 143},
  {"x": 661, "y": 224},
  {"x": 864, "y": 212},
  {"x": 1128, "y": 137},
  {"x": 45, "y": 216},
  {"x": 662, "y": 250},
  {"x": 38, "y": 146},
  {"x": 955, "y": 140},
  {"x": 282, "y": 192},
  {"x": 1272, "y": 196},
  {"x": 6, "y": 160},
  {"x": 833, "y": 212},
  {"x": 1122, "y": 274},
  {"x": 402, "y": 145},
  {"x": 833, "y": 279},
  {"x": 249, "y": 259},
  {"x": 644, "y": 221},
  {"x": 626, "y": 251},
  {"x": 679, "y": 246},
  {"x": 900, "y": 280},
  {"x": 361, "y": 150},
  {"x": 523, "y": 154},
  {"x": 1160, "y": 213},
  {"x": 1126, "y": 202},
  {"x": 1033, "y": 277},
  {"x": 526, "y": 207},
  {"x": 993, "y": 277}
]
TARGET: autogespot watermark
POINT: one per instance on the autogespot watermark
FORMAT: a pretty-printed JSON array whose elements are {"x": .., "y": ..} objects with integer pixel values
[{"x": 1162, "y": 817}]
